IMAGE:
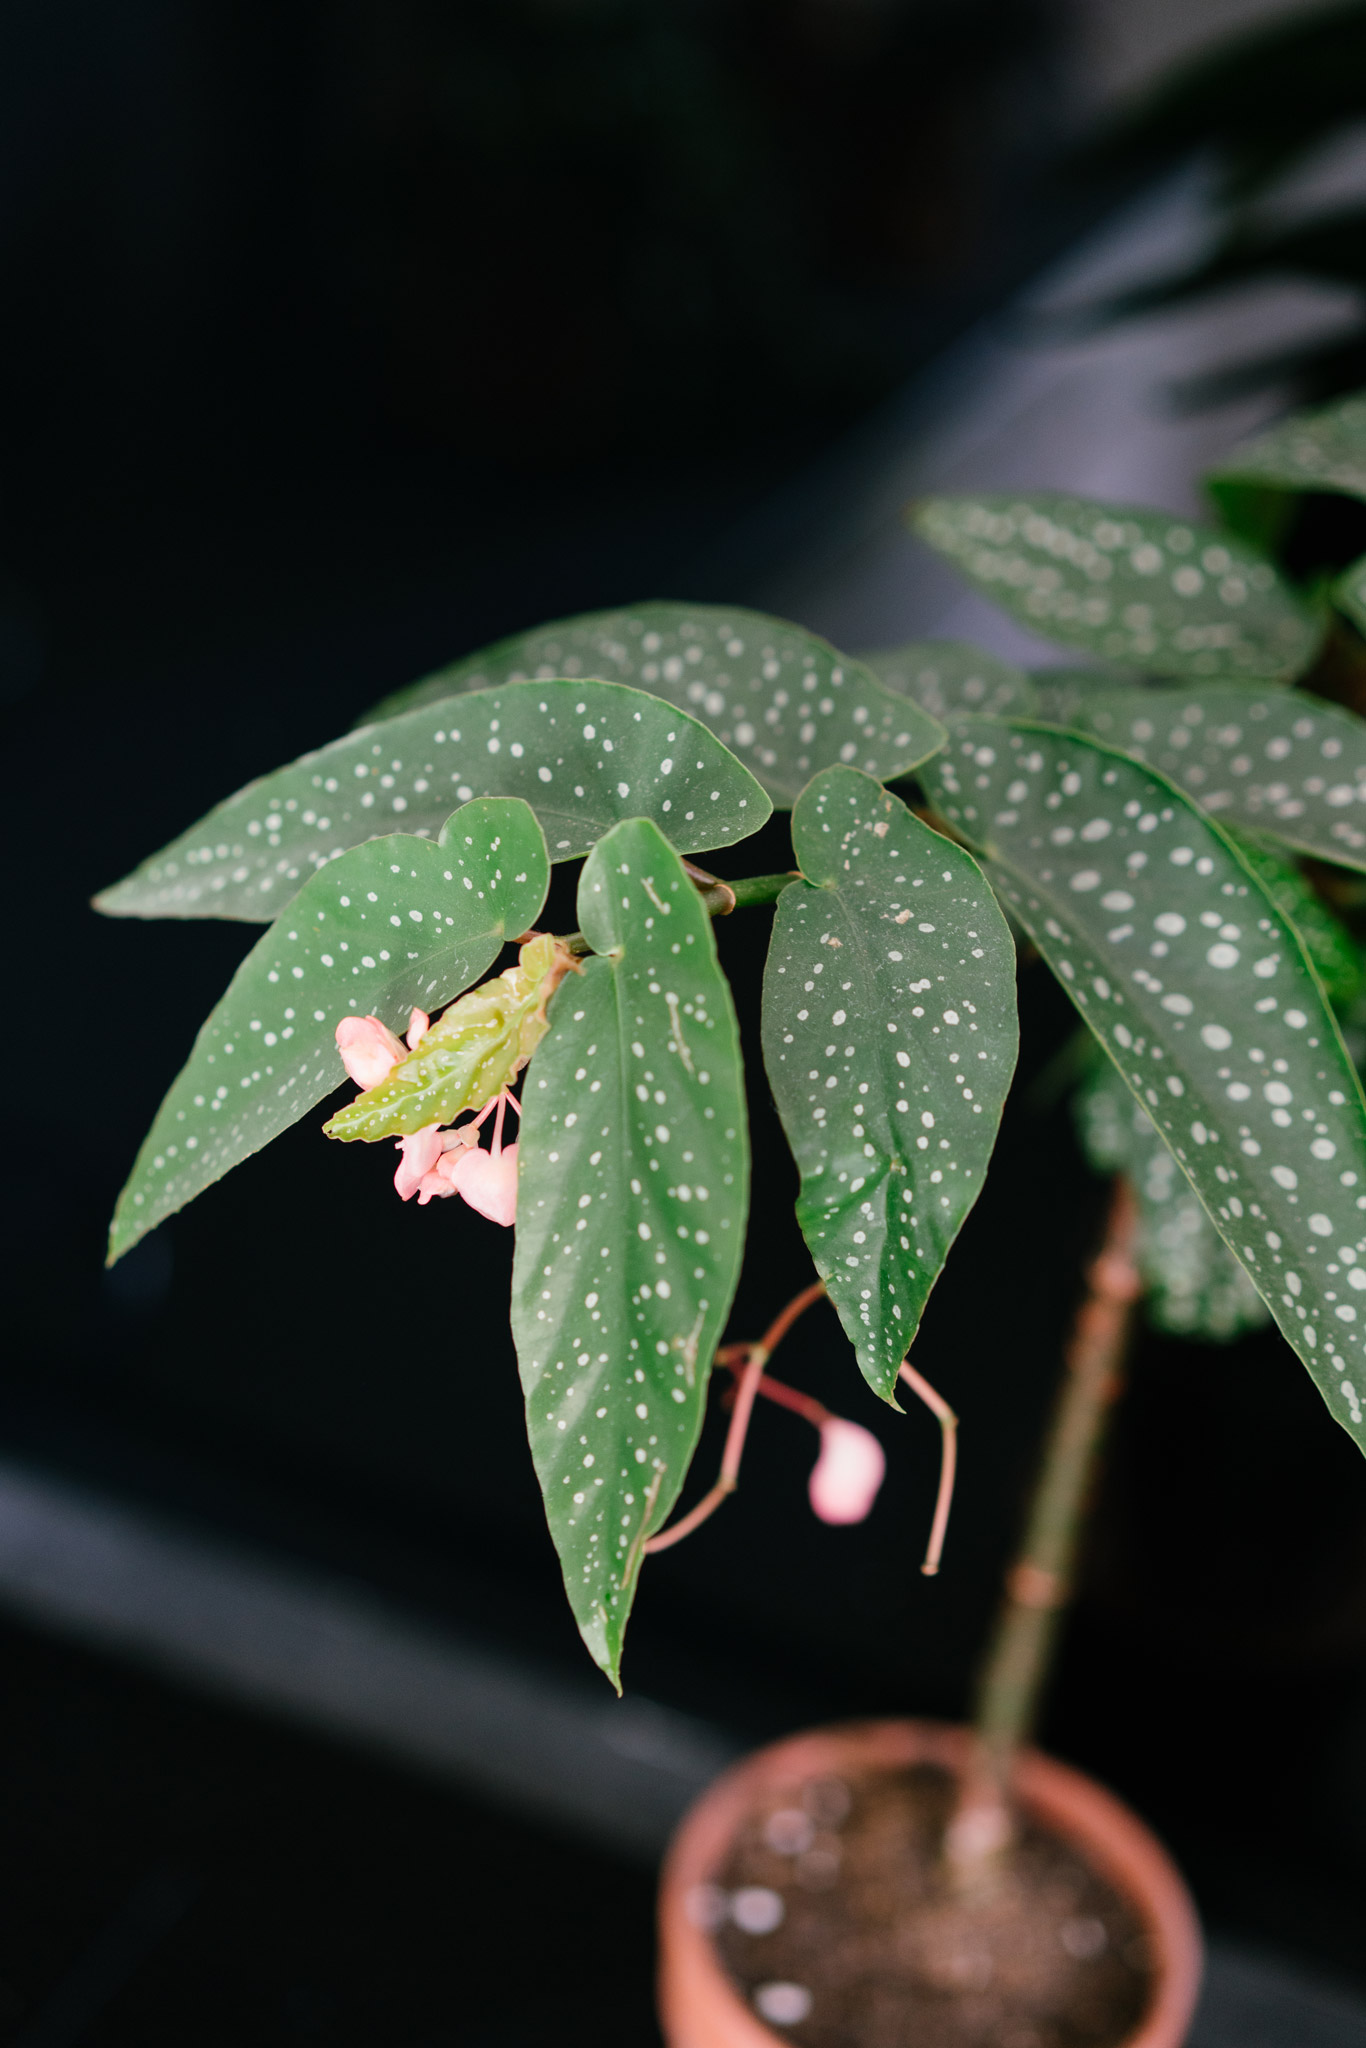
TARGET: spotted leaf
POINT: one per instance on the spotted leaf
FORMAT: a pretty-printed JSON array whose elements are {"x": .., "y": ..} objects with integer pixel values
[
  {"x": 582, "y": 754},
  {"x": 1134, "y": 586},
  {"x": 948, "y": 677},
  {"x": 782, "y": 699},
  {"x": 889, "y": 1037},
  {"x": 393, "y": 924},
  {"x": 1193, "y": 1284},
  {"x": 632, "y": 1199},
  {"x": 1199, "y": 989},
  {"x": 1061, "y": 694},
  {"x": 1322, "y": 450},
  {"x": 1275, "y": 762}
]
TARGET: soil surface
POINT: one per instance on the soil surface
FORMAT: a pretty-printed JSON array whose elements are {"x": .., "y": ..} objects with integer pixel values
[{"x": 834, "y": 1920}]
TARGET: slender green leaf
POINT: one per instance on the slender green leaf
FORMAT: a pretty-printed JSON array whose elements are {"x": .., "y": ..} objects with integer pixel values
[
  {"x": 395, "y": 924},
  {"x": 890, "y": 1037},
  {"x": 1276, "y": 762},
  {"x": 1333, "y": 952},
  {"x": 1323, "y": 450},
  {"x": 1349, "y": 594},
  {"x": 949, "y": 677},
  {"x": 1135, "y": 586},
  {"x": 632, "y": 1197},
  {"x": 582, "y": 754},
  {"x": 1200, "y": 992},
  {"x": 1193, "y": 1284},
  {"x": 782, "y": 699}
]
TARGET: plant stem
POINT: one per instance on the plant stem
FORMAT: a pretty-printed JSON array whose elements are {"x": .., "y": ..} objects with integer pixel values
[
  {"x": 718, "y": 898},
  {"x": 752, "y": 890},
  {"x": 1039, "y": 1584}
]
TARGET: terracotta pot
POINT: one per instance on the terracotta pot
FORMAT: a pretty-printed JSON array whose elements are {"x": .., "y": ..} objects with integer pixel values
[{"x": 699, "y": 2006}]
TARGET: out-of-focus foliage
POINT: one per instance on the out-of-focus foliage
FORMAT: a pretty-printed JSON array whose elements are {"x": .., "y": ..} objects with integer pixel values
[{"x": 1264, "y": 103}]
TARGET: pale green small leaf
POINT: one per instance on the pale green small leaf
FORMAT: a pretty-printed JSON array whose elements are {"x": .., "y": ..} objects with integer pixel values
[
  {"x": 633, "y": 1179},
  {"x": 462, "y": 1061},
  {"x": 1194, "y": 1287},
  {"x": 582, "y": 754},
  {"x": 890, "y": 1036},
  {"x": 395, "y": 924},
  {"x": 1349, "y": 594},
  {"x": 1135, "y": 586},
  {"x": 949, "y": 677},
  {"x": 782, "y": 699},
  {"x": 1201, "y": 993},
  {"x": 1275, "y": 762},
  {"x": 1322, "y": 450}
]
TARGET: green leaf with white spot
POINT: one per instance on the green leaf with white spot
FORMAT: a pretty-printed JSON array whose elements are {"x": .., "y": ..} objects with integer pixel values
[
  {"x": 1333, "y": 953},
  {"x": 1320, "y": 450},
  {"x": 1132, "y": 585},
  {"x": 633, "y": 1181},
  {"x": 948, "y": 678},
  {"x": 889, "y": 1032},
  {"x": 782, "y": 699},
  {"x": 1349, "y": 594},
  {"x": 1062, "y": 694},
  {"x": 1193, "y": 1285},
  {"x": 395, "y": 924},
  {"x": 1200, "y": 991},
  {"x": 1279, "y": 763},
  {"x": 582, "y": 754}
]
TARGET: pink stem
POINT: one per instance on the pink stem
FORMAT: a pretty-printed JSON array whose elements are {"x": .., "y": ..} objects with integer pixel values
[{"x": 948, "y": 1463}]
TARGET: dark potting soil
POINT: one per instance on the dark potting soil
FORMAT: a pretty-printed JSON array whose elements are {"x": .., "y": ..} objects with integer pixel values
[{"x": 835, "y": 1922}]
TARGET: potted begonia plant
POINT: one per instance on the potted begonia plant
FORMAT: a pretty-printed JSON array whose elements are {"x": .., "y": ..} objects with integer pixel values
[{"x": 1167, "y": 830}]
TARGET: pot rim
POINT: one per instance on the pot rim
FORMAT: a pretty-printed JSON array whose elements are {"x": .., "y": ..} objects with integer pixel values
[{"x": 700, "y": 2007}]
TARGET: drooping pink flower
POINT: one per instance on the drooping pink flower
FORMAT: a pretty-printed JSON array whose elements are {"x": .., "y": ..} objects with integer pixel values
[
  {"x": 420, "y": 1153},
  {"x": 486, "y": 1180},
  {"x": 369, "y": 1050},
  {"x": 846, "y": 1476}
]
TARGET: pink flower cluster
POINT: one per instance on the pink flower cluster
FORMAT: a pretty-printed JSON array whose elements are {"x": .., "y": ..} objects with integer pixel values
[{"x": 436, "y": 1163}]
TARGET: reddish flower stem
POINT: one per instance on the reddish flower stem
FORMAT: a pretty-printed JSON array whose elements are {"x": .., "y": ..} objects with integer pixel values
[{"x": 750, "y": 1376}]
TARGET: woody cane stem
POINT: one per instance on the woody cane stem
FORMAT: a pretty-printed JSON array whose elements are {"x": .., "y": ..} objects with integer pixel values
[{"x": 1039, "y": 1584}]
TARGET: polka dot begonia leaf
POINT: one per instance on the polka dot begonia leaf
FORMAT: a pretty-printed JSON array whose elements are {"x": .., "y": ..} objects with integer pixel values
[
  {"x": 1349, "y": 594},
  {"x": 1060, "y": 694},
  {"x": 633, "y": 1182},
  {"x": 582, "y": 754},
  {"x": 889, "y": 1031},
  {"x": 1199, "y": 989},
  {"x": 1193, "y": 1285},
  {"x": 1276, "y": 762},
  {"x": 393, "y": 924},
  {"x": 782, "y": 699},
  {"x": 1322, "y": 450},
  {"x": 1142, "y": 588},
  {"x": 949, "y": 677}
]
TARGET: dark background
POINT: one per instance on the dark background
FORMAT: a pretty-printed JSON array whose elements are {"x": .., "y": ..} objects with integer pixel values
[{"x": 338, "y": 340}]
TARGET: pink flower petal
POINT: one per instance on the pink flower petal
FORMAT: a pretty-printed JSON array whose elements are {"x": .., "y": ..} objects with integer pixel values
[
  {"x": 420, "y": 1154},
  {"x": 847, "y": 1474},
  {"x": 487, "y": 1184},
  {"x": 417, "y": 1028},
  {"x": 369, "y": 1050}
]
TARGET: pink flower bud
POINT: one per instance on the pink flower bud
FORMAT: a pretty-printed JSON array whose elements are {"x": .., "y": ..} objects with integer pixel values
[
  {"x": 487, "y": 1180},
  {"x": 420, "y": 1154},
  {"x": 369, "y": 1050},
  {"x": 846, "y": 1476},
  {"x": 417, "y": 1028}
]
